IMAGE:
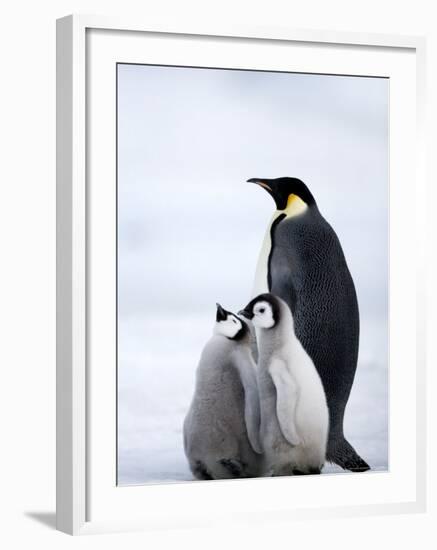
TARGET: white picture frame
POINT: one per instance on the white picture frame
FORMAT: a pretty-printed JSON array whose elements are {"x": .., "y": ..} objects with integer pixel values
[{"x": 81, "y": 433}]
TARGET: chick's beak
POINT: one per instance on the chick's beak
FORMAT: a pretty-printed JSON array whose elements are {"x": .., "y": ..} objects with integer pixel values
[{"x": 221, "y": 313}]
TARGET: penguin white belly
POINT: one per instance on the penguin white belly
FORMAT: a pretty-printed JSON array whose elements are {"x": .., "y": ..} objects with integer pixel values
[
  {"x": 295, "y": 207},
  {"x": 260, "y": 285}
]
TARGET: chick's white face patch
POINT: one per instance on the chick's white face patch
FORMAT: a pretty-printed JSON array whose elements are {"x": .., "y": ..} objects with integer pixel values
[
  {"x": 230, "y": 327},
  {"x": 263, "y": 315}
]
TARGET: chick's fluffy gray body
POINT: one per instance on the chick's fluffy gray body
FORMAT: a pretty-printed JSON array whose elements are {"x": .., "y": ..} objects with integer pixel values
[{"x": 216, "y": 438}]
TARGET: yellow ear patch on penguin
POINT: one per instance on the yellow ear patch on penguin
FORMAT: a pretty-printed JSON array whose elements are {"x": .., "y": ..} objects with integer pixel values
[{"x": 295, "y": 206}]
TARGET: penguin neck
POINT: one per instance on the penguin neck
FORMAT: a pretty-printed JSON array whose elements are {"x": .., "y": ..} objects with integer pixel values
[{"x": 295, "y": 207}]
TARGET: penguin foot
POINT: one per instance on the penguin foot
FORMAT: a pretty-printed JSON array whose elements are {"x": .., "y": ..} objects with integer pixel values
[
  {"x": 310, "y": 471},
  {"x": 342, "y": 453},
  {"x": 200, "y": 471},
  {"x": 233, "y": 466}
]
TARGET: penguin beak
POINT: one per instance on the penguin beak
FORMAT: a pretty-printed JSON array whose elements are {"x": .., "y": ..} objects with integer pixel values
[
  {"x": 221, "y": 314},
  {"x": 272, "y": 189},
  {"x": 246, "y": 313},
  {"x": 261, "y": 184}
]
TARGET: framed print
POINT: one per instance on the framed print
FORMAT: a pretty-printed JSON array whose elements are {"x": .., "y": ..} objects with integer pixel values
[{"x": 240, "y": 299}]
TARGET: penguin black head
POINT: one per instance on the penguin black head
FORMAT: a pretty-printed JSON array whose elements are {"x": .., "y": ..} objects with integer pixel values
[
  {"x": 263, "y": 311},
  {"x": 285, "y": 191},
  {"x": 229, "y": 325}
]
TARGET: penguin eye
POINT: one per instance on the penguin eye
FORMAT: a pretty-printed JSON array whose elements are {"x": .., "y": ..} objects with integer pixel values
[
  {"x": 234, "y": 321},
  {"x": 261, "y": 310}
]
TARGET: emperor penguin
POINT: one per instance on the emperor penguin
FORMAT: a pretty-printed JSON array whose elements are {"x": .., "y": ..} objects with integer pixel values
[
  {"x": 294, "y": 413},
  {"x": 302, "y": 262},
  {"x": 221, "y": 429}
]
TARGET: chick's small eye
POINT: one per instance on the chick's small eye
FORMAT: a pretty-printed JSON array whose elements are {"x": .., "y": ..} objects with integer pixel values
[{"x": 261, "y": 310}]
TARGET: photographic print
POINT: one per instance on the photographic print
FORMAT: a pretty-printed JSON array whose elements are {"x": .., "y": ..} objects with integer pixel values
[{"x": 252, "y": 274}]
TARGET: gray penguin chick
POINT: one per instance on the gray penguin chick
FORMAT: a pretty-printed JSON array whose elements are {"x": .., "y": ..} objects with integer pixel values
[
  {"x": 294, "y": 413},
  {"x": 221, "y": 429}
]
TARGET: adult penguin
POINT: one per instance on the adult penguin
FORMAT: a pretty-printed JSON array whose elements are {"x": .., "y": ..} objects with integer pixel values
[{"x": 302, "y": 262}]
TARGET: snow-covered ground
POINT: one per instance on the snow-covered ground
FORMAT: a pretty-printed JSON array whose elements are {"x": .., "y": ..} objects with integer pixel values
[{"x": 155, "y": 390}]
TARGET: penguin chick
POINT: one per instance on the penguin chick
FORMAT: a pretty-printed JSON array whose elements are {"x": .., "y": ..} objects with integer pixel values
[
  {"x": 294, "y": 413},
  {"x": 221, "y": 429}
]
